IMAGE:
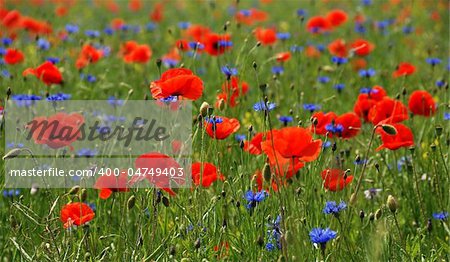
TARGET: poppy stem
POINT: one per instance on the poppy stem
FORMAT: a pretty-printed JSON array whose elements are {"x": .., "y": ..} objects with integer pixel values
[{"x": 366, "y": 155}]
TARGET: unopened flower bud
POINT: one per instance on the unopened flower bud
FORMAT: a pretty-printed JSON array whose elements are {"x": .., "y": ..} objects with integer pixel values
[
  {"x": 204, "y": 109},
  {"x": 131, "y": 202},
  {"x": 392, "y": 203}
]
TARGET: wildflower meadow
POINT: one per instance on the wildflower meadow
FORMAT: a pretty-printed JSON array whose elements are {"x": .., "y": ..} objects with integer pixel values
[{"x": 204, "y": 130}]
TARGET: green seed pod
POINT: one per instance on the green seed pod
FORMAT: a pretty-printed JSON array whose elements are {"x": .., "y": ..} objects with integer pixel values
[
  {"x": 204, "y": 109},
  {"x": 389, "y": 129},
  {"x": 83, "y": 195},
  {"x": 131, "y": 202},
  {"x": 378, "y": 214},
  {"x": 165, "y": 201},
  {"x": 74, "y": 190}
]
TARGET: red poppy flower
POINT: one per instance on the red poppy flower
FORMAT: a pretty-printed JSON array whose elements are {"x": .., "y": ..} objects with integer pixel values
[
  {"x": 235, "y": 88},
  {"x": 366, "y": 101},
  {"x": 157, "y": 15},
  {"x": 13, "y": 56},
  {"x": 283, "y": 57},
  {"x": 358, "y": 64},
  {"x": 153, "y": 167},
  {"x": 76, "y": 214},
  {"x": 207, "y": 172},
  {"x": 216, "y": 44},
  {"x": 197, "y": 32},
  {"x": 251, "y": 16},
  {"x": 173, "y": 56},
  {"x": 338, "y": 48},
  {"x": 362, "y": 47},
  {"x": 11, "y": 19},
  {"x": 128, "y": 47},
  {"x": 135, "y": 5},
  {"x": 312, "y": 51},
  {"x": 56, "y": 131},
  {"x": 254, "y": 146},
  {"x": 140, "y": 54},
  {"x": 61, "y": 10},
  {"x": 177, "y": 82},
  {"x": 404, "y": 69},
  {"x": 295, "y": 142},
  {"x": 267, "y": 36},
  {"x": 88, "y": 55},
  {"x": 117, "y": 23},
  {"x": 221, "y": 127},
  {"x": 259, "y": 179},
  {"x": 280, "y": 165},
  {"x": 336, "y": 17},
  {"x": 335, "y": 179},
  {"x": 109, "y": 183},
  {"x": 317, "y": 25},
  {"x": 403, "y": 138},
  {"x": 421, "y": 103},
  {"x": 182, "y": 44},
  {"x": 350, "y": 123},
  {"x": 47, "y": 73},
  {"x": 389, "y": 111},
  {"x": 35, "y": 26},
  {"x": 322, "y": 120}
]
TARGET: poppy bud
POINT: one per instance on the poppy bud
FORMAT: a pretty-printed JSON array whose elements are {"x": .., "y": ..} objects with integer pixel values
[
  {"x": 83, "y": 195},
  {"x": 267, "y": 173},
  {"x": 300, "y": 123},
  {"x": 357, "y": 158},
  {"x": 371, "y": 216},
  {"x": 241, "y": 144},
  {"x": 74, "y": 190},
  {"x": 352, "y": 200},
  {"x": 377, "y": 166},
  {"x": 223, "y": 193},
  {"x": 221, "y": 104},
  {"x": 145, "y": 97},
  {"x": 158, "y": 63},
  {"x": 433, "y": 147},
  {"x": 131, "y": 202},
  {"x": 165, "y": 201},
  {"x": 172, "y": 250},
  {"x": 197, "y": 243},
  {"x": 404, "y": 91},
  {"x": 250, "y": 128},
  {"x": 429, "y": 225},
  {"x": 389, "y": 129},
  {"x": 292, "y": 86},
  {"x": 238, "y": 204},
  {"x": 378, "y": 214},
  {"x": 260, "y": 241},
  {"x": 315, "y": 121},
  {"x": 254, "y": 65},
  {"x": 334, "y": 146},
  {"x": 204, "y": 109},
  {"x": 392, "y": 203},
  {"x": 361, "y": 215},
  {"x": 438, "y": 130}
]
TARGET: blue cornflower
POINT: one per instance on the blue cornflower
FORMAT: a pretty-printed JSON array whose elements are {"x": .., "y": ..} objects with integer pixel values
[
  {"x": 25, "y": 100},
  {"x": 326, "y": 144},
  {"x": 169, "y": 99},
  {"x": 262, "y": 106},
  {"x": 196, "y": 45},
  {"x": 366, "y": 2},
  {"x": 229, "y": 71},
  {"x": 254, "y": 198},
  {"x": 433, "y": 61},
  {"x": 277, "y": 70},
  {"x": 184, "y": 25},
  {"x": 59, "y": 97},
  {"x": 90, "y": 78},
  {"x": 301, "y": 12},
  {"x": 53, "y": 60},
  {"x": 112, "y": 100},
  {"x": 368, "y": 90},
  {"x": 213, "y": 120},
  {"x": 245, "y": 12},
  {"x": 2, "y": 51},
  {"x": 311, "y": 107},
  {"x": 86, "y": 152},
  {"x": 150, "y": 27},
  {"x": 11, "y": 193},
  {"x": 321, "y": 236},
  {"x": 5, "y": 73},
  {"x": 6, "y": 41},
  {"x": 224, "y": 43},
  {"x": 240, "y": 137},
  {"x": 334, "y": 129},
  {"x": 169, "y": 63},
  {"x": 296, "y": 48},
  {"x": 43, "y": 44},
  {"x": 360, "y": 28},
  {"x": 440, "y": 216},
  {"x": 402, "y": 162},
  {"x": 339, "y": 87},
  {"x": 367, "y": 73},
  {"x": 371, "y": 193},
  {"x": 382, "y": 25},
  {"x": 331, "y": 208},
  {"x": 92, "y": 33},
  {"x": 274, "y": 234},
  {"x": 323, "y": 79},
  {"x": 408, "y": 29},
  {"x": 339, "y": 60},
  {"x": 440, "y": 83},
  {"x": 320, "y": 47},
  {"x": 108, "y": 31},
  {"x": 13, "y": 145},
  {"x": 446, "y": 116},
  {"x": 286, "y": 119},
  {"x": 93, "y": 206},
  {"x": 283, "y": 35},
  {"x": 72, "y": 29},
  {"x": 360, "y": 161}
]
